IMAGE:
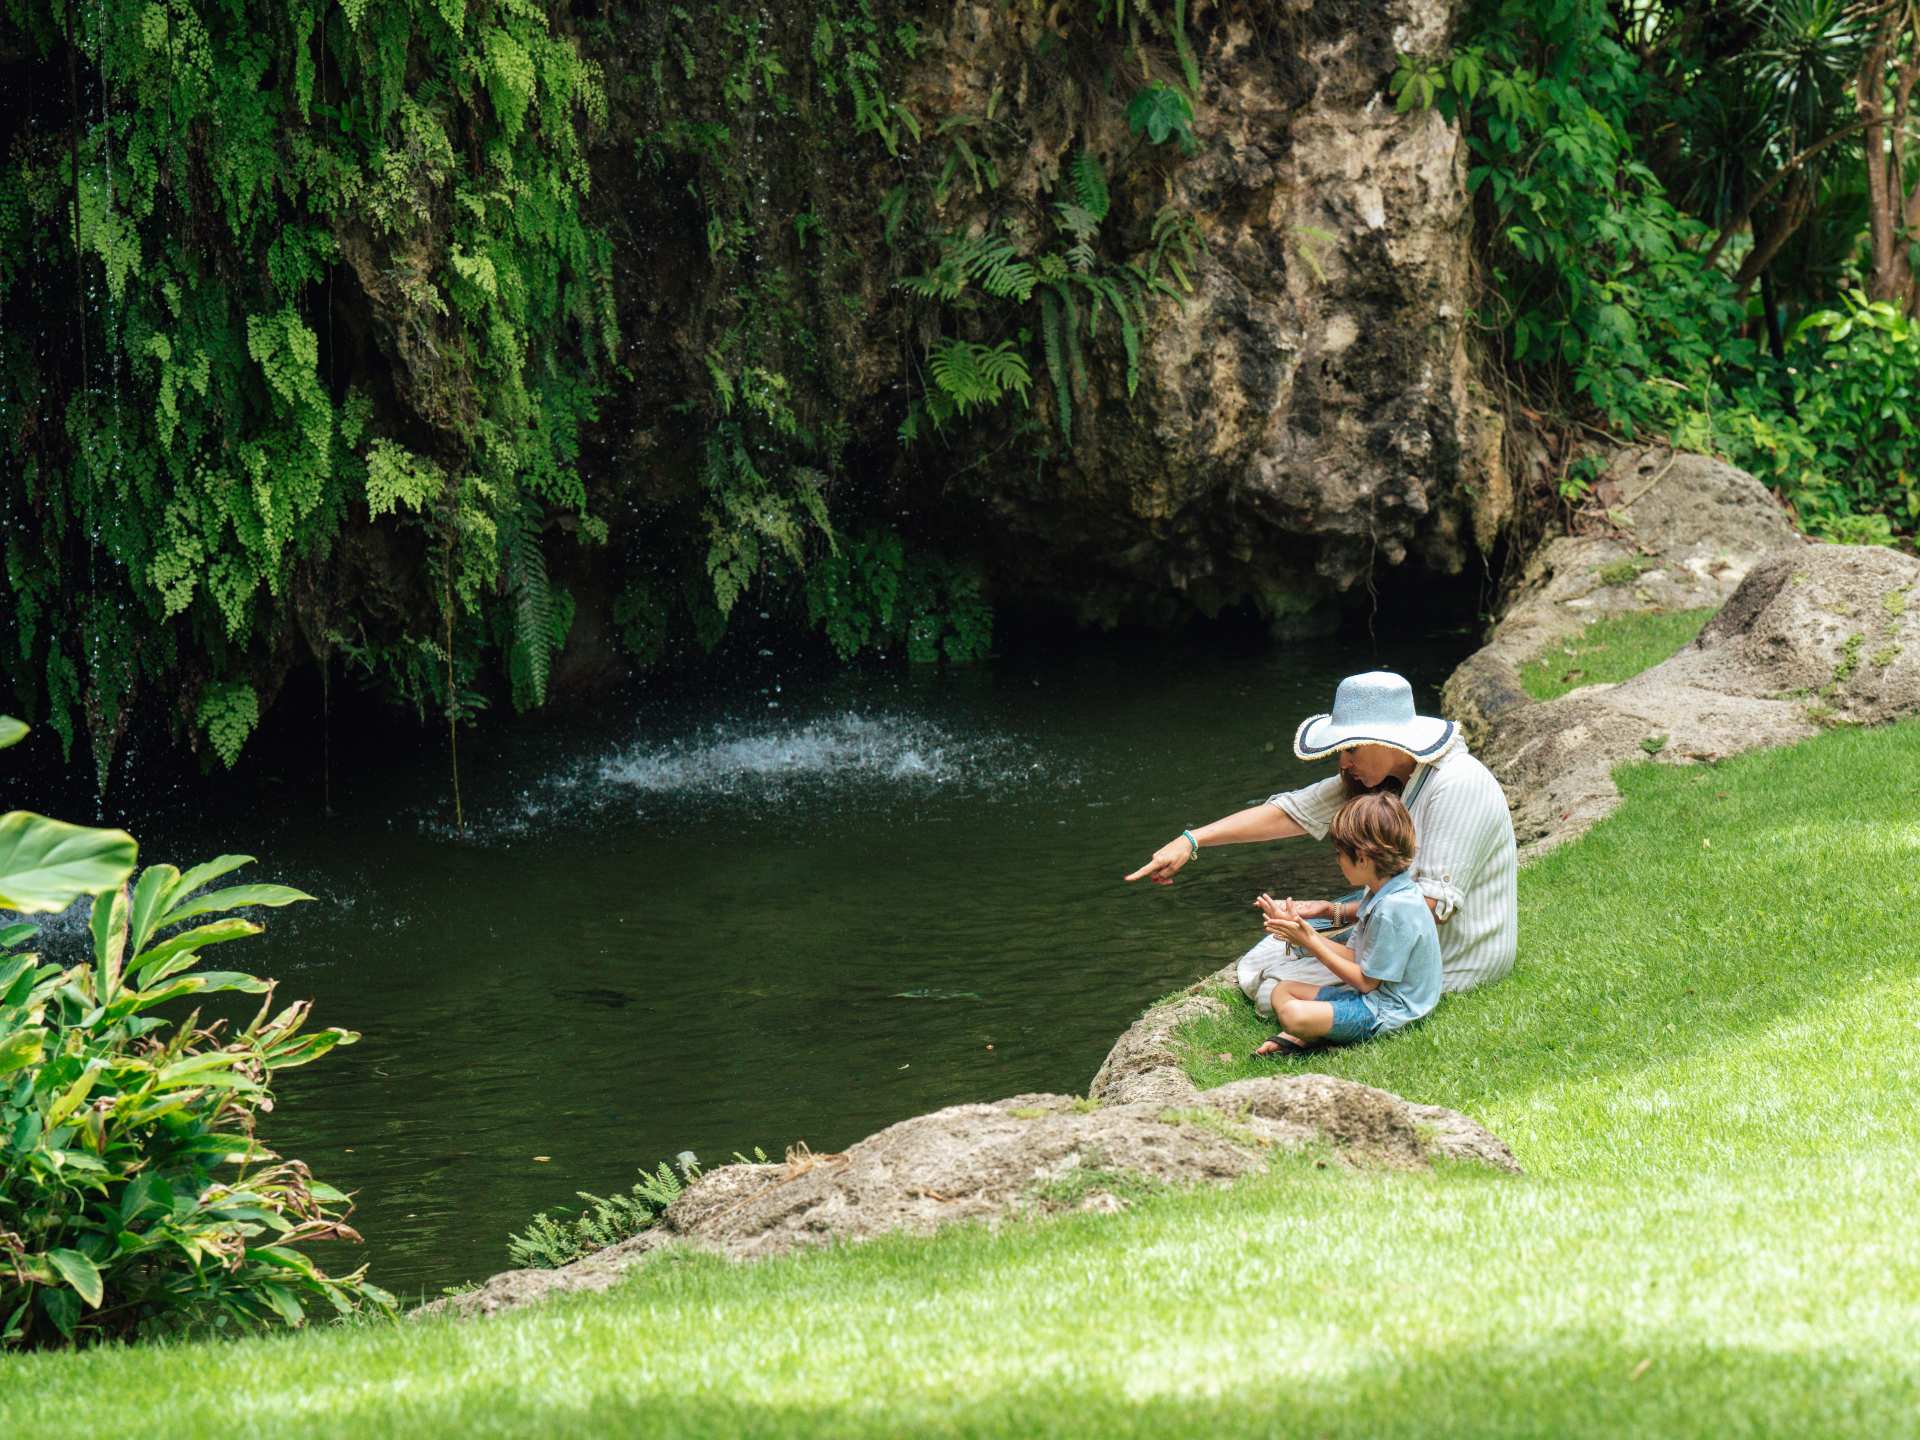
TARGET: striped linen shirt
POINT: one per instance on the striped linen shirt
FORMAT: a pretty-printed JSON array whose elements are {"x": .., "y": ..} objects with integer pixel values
[{"x": 1464, "y": 859}]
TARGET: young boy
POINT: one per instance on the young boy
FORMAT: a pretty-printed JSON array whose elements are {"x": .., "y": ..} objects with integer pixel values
[{"x": 1390, "y": 975}]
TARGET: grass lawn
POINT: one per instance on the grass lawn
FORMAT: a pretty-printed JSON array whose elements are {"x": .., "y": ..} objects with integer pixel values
[
  {"x": 1611, "y": 650},
  {"x": 1706, "y": 1060}
]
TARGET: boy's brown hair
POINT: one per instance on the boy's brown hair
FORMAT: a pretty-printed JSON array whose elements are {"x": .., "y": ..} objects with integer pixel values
[{"x": 1375, "y": 828}]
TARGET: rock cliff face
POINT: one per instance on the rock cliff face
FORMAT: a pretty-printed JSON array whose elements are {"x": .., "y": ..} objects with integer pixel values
[
  {"x": 1307, "y": 415},
  {"x": 1303, "y": 421}
]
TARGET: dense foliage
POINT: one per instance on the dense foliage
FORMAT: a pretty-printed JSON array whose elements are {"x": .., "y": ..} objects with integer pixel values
[
  {"x": 993, "y": 301},
  {"x": 271, "y": 273},
  {"x": 312, "y": 317},
  {"x": 135, "y": 1196},
  {"x": 1639, "y": 169}
]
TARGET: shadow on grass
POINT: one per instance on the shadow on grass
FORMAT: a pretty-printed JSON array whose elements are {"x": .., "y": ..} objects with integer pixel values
[{"x": 1576, "y": 1383}]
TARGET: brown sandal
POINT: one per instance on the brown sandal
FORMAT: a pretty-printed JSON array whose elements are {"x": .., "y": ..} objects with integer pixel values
[{"x": 1281, "y": 1046}]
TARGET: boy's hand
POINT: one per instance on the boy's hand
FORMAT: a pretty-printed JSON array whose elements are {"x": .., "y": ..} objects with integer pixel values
[{"x": 1282, "y": 919}]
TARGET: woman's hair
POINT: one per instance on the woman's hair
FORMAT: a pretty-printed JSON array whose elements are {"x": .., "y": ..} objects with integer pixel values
[
  {"x": 1376, "y": 828},
  {"x": 1390, "y": 785}
]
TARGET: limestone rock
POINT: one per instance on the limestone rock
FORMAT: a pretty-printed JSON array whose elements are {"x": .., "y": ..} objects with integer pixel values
[
  {"x": 1688, "y": 528},
  {"x": 1816, "y": 635},
  {"x": 1024, "y": 1156},
  {"x": 1307, "y": 415},
  {"x": 1143, "y": 1066}
]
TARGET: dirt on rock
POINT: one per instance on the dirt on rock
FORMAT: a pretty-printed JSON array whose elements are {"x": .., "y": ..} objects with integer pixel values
[
  {"x": 1030, "y": 1155},
  {"x": 1815, "y": 636}
]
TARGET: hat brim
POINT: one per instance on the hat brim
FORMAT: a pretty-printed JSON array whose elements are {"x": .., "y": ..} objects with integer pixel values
[{"x": 1425, "y": 737}]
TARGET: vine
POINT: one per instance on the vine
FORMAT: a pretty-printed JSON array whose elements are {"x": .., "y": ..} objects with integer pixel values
[{"x": 197, "y": 431}]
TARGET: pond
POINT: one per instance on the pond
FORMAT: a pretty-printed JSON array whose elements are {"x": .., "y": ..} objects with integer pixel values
[{"x": 799, "y": 912}]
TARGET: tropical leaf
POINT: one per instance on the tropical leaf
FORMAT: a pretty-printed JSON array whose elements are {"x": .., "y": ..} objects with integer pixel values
[
  {"x": 45, "y": 865},
  {"x": 233, "y": 898}
]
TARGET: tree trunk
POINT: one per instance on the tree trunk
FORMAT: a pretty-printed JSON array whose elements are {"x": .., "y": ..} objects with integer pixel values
[{"x": 1892, "y": 212}]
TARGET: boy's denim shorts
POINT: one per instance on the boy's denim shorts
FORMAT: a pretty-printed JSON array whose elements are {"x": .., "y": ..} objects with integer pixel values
[{"x": 1352, "y": 1018}]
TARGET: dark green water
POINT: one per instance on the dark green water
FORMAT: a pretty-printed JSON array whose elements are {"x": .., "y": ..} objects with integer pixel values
[{"x": 803, "y": 915}]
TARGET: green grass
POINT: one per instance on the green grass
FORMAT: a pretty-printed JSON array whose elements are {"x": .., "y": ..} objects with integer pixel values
[
  {"x": 1707, "y": 1060},
  {"x": 1610, "y": 650}
]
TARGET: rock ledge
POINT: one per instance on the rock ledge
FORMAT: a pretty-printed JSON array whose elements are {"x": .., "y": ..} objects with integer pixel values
[{"x": 1025, "y": 1156}]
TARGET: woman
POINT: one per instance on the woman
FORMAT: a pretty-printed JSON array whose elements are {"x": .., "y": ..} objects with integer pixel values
[{"x": 1465, "y": 863}]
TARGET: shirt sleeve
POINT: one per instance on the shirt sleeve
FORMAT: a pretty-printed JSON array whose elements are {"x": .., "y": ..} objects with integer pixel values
[
  {"x": 1313, "y": 806},
  {"x": 1456, "y": 833}
]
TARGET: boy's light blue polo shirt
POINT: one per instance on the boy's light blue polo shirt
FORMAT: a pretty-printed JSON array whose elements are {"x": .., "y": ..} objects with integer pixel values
[{"x": 1395, "y": 942}]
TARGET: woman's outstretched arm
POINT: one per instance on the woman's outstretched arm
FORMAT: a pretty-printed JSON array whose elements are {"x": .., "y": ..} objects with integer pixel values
[{"x": 1257, "y": 822}]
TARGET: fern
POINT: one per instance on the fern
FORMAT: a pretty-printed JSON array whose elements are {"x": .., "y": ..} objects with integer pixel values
[
  {"x": 226, "y": 715},
  {"x": 1055, "y": 348},
  {"x": 551, "y": 1241},
  {"x": 1076, "y": 358},
  {"x": 972, "y": 374},
  {"x": 538, "y": 630},
  {"x": 1090, "y": 185}
]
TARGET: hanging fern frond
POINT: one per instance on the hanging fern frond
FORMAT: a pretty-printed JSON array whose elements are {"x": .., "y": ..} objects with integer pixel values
[
  {"x": 1090, "y": 185},
  {"x": 1189, "y": 66},
  {"x": 1076, "y": 357},
  {"x": 536, "y": 629},
  {"x": 972, "y": 374},
  {"x": 1055, "y": 348}
]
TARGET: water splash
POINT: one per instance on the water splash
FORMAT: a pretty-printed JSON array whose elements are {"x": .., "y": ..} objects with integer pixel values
[
  {"x": 769, "y": 761},
  {"x": 838, "y": 749}
]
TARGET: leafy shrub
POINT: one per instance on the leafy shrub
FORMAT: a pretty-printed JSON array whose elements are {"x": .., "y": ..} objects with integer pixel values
[
  {"x": 555, "y": 1239},
  {"x": 1844, "y": 449},
  {"x": 870, "y": 593},
  {"x": 204, "y": 432},
  {"x": 1598, "y": 284},
  {"x": 135, "y": 1196}
]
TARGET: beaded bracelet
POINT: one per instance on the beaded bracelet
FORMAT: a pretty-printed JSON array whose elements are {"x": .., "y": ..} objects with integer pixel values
[{"x": 1188, "y": 836}]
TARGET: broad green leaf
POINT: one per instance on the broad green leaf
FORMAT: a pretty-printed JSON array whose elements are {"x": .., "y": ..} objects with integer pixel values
[
  {"x": 12, "y": 967},
  {"x": 284, "y": 1305},
  {"x": 62, "y": 1307},
  {"x": 308, "y": 1048},
  {"x": 12, "y": 732},
  {"x": 203, "y": 984},
  {"x": 137, "y": 1197},
  {"x": 282, "y": 1257},
  {"x": 233, "y": 898},
  {"x": 195, "y": 939},
  {"x": 110, "y": 938},
  {"x": 79, "y": 1272},
  {"x": 150, "y": 897},
  {"x": 203, "y": 875},
  {"x": 75, "y": 1095},
  {"x": 12, "y": 935},
  {"x": 45, "y": 865},
  {"x": 21, "y": 1048}
]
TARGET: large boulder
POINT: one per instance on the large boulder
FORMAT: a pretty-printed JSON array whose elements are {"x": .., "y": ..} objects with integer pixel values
[
  {"x": 1308, "y": 414},
  {"x": 1815, "y": 636},
  {"x": 1673, "y": 531},
  {"x": 1025, "y": 1156}
]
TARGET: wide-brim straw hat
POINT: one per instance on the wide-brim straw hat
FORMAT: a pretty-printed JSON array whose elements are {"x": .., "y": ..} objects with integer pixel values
[{"x": 1374, "y": 709}]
